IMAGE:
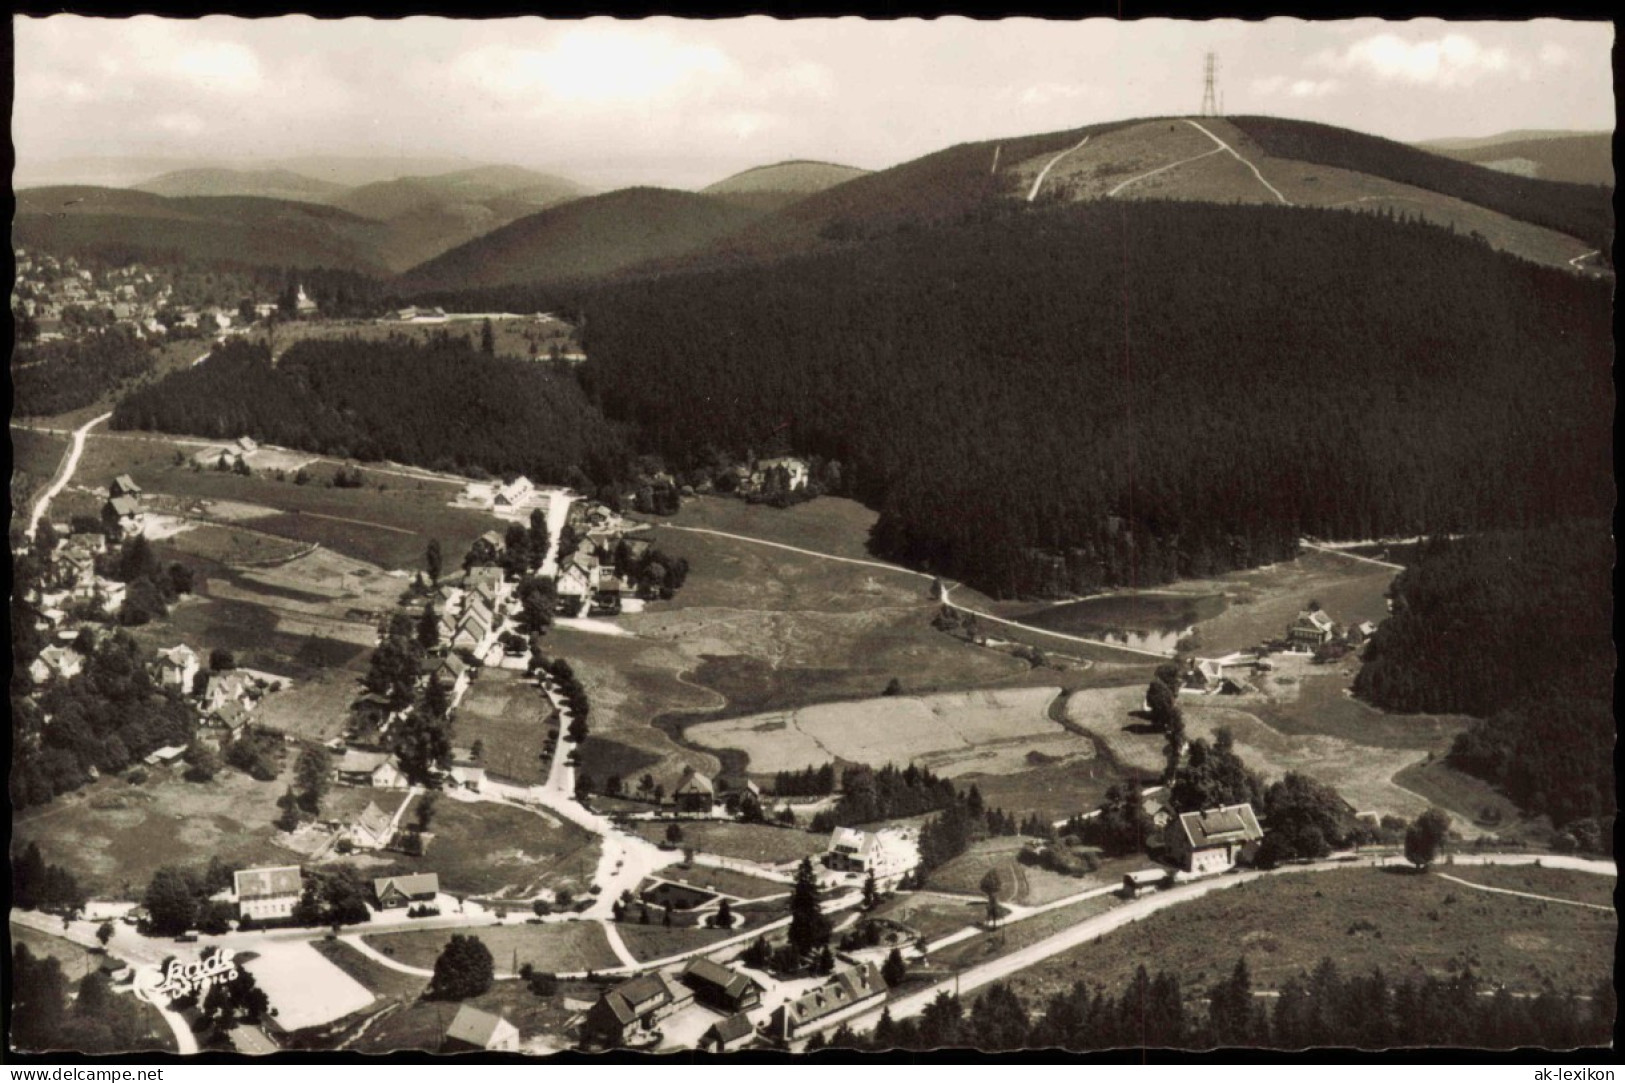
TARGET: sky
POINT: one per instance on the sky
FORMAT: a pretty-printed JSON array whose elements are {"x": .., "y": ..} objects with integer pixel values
[{"x": 683, "y": 103}]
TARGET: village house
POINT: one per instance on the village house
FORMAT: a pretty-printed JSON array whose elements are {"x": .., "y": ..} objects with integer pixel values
[
  {"x": 124, "y": 485},
  {"x": 1312, "y": 628},
  {"x": 721, "y": 988},
  {"x": 881, "y": 853},
  {"x": 232, "y": 686},
  {"x": 475, "y": 1030},
  {"x": 121, "y": 515},
  {"x": 578, "y": 579},
  {"x": 167, "y": 754},
  {"x": 792, "y": 471},
  {"x": 631, "y": 1010},
  {"x": 230, "y": 718},
  {"x": 844, "y": 989},
  {"x": 695, "y": 793},
  {"x": 372, "y": 830},
  {"x": 177, "y": 668},
  {"x": 377, "y": 769},
  {"x": 728, "y": 1035},
  {"x": 515, "y": 493},
  {"x": 451, "y": 670},
  {"x": 1143, "y": 880},
  {"x": 489, "y": 546},
  {"x": 468, "y": 776},
  {"x": 56, "y": 662},
  {"x": 1214, "y": 839},
  {"x": 398, "y": 892},
  {"x": 267, "y": 894}
]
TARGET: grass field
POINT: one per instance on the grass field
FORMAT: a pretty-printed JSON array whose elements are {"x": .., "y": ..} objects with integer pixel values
[
  {"x": 1026, "y": 884},
  {"x": 508, "y": 716},
  {"x": 991, "y": 732},
  {"x": 931, "y": 916},
  {"x": 726, "y": 881},
  {"x": 1558, "y": 883},
  {"x": 35, "y": 457},
  {"x": 655, "y": 941},
  {"x": 748, "y": 842},
  {"x": 829, "y": 524},
  {"x": 1471, "y": 799},
  {"x": 556, "y": 947},
  {"x": 113, "y": 835},
  {"x": 497, "y": 851},
  {"x": 1407, "y": 924},
  {"x": 1018, "y": 934},
  {"x": 76, "y": 963}
]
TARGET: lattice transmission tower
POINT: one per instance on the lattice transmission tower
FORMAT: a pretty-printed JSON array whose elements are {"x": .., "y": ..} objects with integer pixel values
[{"x": 1210, "y": 97}]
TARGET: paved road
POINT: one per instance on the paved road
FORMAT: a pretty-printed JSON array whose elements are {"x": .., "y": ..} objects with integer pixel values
[
  {"x": 70, "y": 463},
  {"x": 1227, "y": 147},
  {"x": 1006, "y": 965}
]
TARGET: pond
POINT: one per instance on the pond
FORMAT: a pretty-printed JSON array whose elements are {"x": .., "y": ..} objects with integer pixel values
[{"x": 1153, "y": 622}]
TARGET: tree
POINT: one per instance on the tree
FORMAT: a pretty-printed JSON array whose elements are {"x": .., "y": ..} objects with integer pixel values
[
  {"x": 990, "y": 887},
  {"x": 104, "y": 933},
  {"x": 1425, "y": 838},
  {"x": 809, "y": 928},
  {"x": 894, "y": 687},
  {"x": 311, "y": 772},
  {"x": 422, "y": 747},
  {"x": 894, "y": 969},
  {"x": 488, "y": 339},
  {"x": 724, "y": 918},
  {"x": 429, "y": 628},
  {"x": 221, "y": 660},
  {"x": 436, "y": 699},
  {"x": 425, "y": 811},
  {"x": 203, "y": 762},
  {"x": 171, "y": 902},
  {"x": 871, "y": 894},
  {"x": 674, "y": 833},
  {"x": 434, "y": 560},
  {"x": 464, "y": 969}
]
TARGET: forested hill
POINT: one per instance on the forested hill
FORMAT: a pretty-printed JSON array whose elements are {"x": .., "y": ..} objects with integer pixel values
[
  {"x": 442, "y": 405},
  {"x": 1512, "y": 627},
  {"x": 1583, "y": 211},
  {"x": 1055, "y": 400}
]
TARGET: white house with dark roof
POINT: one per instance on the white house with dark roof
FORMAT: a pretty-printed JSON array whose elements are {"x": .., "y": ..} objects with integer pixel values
[
  {"x": 1312, "y": 628},
  {"x": 1213, "y": 839},
  {"x": 267, "y": 894},
  {"x": 396, "y": 892},
  {"x": 178, "y": 668},
  {"x": 373, "y": 829}
]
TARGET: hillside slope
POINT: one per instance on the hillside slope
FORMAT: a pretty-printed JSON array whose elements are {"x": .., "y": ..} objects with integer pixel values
[
  {"x": 595, "y": 236},
  {"x": 266, "y": 183},
  {"x": 228, "y": 229},
  {"x": 770, "y": 187},
  {"x": 1586, "y": 158}
]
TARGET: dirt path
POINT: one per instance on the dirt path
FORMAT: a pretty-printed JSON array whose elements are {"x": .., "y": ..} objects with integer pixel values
[
  {"x": 357, "y": 522},
  {"x": 1227, "y": 147},
  {"x": 1042, "y": 173},
  {"x": 947, "y": 588},
  {"x": 64, "y": 474},
  {"x": 1164, "y": 169},
  {"x": 1521, "y": 894},
  {"x": 1351, "y": 556}
]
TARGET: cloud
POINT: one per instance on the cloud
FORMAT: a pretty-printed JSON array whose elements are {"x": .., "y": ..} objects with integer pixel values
[
  {"x": 1272, "y": 85},
  {"x": 181, "y": 123},
  {"x": 598, "y": 65},
  {"x": 1045, "y": 93},
  {"x": 220, "y": 66},
  {"x": 1452, "y": 61}
]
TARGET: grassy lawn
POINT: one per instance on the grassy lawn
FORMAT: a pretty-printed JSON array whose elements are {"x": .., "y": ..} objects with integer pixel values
[
  {"x": 379, "y": 980},
  {"x": 748, "y": 842},
  {"x": 828, "y": 524},
  {"x": 1321, "y": 706},
  {"x": 230, "y": 545},
  {"x": 725, "y": 881},
  {"x": 76, "y": 963},
  {"x": 1026, "y": 884},
  {"x": 1409, "y": 925},
  {"x": 508, "y": 716},
  {"x": 35, "y": 457},
  {"x": 931, "y": 916},
  {"x": 1471, "y": 798},
  {"x": 497, "y": 851},
  {"x": 655, "y": 941},
  {"x": 113, "y": 835},
  {"x": 556, "y": 947},
  {"x": 1019, "y": 934},
  {"x": 1054, "y": 792}
]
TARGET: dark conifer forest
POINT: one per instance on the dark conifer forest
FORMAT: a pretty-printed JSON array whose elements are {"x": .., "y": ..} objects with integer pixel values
[
  {"x": 55, "y": 377},
  {"x": 443, "y": 405},
  {"x": 1513, "y": 627},
  {"x": 1092, "y": 395}
]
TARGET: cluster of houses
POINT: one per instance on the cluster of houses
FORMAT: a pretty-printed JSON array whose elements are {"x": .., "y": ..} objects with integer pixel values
[
  {"x": 123, "y": 509},
  {"x": 61, "y": 296},
  {"x": 225, "y": 699},
  {"x": 629, "y": 1014},
  {"x": 470, "y": 619},
  {"x": 587, "y": 584},
  {"x": 272, "y": 893},
  {"x": 1313, "y": 629}
]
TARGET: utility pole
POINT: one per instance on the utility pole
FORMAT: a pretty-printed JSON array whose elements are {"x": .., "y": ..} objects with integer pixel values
[{"x": 1210, "y": 71}]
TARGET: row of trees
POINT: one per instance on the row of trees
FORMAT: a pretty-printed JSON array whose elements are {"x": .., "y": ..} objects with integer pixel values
[
  {"x": 440, "y": 404},
  {"x": 49, "y": 1014},
  {"x": 870, "y": 355},
  {"x": 37, "y": 885},
  {"x": 1322, "y": 1009}
]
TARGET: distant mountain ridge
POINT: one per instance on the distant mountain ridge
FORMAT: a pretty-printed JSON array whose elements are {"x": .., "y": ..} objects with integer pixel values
[
  {"x": 1578, "y": 158},
  {"x": 270, "y": 183}
]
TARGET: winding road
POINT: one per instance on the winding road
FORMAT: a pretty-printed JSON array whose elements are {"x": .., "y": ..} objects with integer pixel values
[{"x": 70, "y": 463}]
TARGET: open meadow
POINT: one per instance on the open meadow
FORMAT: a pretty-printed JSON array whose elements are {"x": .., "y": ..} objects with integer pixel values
[
  {"x": 508, "y": 716},
  {"x": 951, "y": 733},
  {"x": 493, "y": 851},
  {"x": 761, "y": 843},
  {"x": 1408, "y": 924},
  {"x": 1028, "y": 885},
  {"x": 554, "y": 947}
]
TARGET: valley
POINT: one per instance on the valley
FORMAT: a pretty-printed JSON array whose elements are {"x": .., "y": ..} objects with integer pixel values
[{"x": 487, "y": 609}]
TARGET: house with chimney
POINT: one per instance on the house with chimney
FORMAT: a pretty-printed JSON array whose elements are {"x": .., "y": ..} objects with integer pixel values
[
  {"x": 267, "y": 894},
  {"x": 1214, "y": 839}
]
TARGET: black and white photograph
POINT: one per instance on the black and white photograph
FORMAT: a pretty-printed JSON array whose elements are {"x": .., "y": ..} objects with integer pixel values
[{"x": 811, "y": 539}]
